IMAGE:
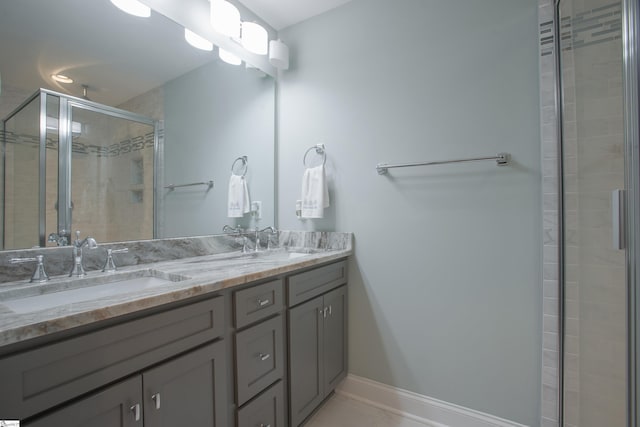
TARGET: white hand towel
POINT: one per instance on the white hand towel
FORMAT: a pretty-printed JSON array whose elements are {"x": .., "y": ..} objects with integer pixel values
[
  {"x": 238, "y": 197},
  {"x": 315, "y": 193}
]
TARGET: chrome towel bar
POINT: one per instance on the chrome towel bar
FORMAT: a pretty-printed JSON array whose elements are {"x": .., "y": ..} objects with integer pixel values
[
  {"x": 209, "y": 185},
  {"x": 502, "y": 159}
]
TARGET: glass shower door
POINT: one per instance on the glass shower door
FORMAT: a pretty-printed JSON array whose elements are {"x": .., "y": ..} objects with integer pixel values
[
  {"x": 595, "y": 283},
  {"x": 112, "y": 175}
]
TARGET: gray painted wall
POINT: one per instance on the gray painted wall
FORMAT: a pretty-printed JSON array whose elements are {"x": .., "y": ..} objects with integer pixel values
[
  {"x": 445, "y": 295},
  {"x": 230, "y": 114}
]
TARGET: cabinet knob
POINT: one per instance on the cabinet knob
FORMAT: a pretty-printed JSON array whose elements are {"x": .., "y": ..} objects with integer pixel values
[
  {"x": 156, "y": 399},
  {"x": 136, "y": 411},
  {"x": 264, "y": 356}
]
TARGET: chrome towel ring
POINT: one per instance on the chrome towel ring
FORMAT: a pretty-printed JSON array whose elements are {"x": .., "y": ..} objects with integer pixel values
[
  {"x": 245, "y": 165},
  {"x": 320, "y": 150}
]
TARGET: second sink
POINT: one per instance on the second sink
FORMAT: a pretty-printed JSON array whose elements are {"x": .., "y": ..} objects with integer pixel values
[{"x": 55, "y": 294}]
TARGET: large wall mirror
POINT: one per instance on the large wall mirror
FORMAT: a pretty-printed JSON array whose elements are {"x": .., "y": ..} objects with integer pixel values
[{"x": 192, "y": 113}]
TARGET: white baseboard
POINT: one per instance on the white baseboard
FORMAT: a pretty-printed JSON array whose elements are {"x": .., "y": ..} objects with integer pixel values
[{"x": 423, "y": 409}]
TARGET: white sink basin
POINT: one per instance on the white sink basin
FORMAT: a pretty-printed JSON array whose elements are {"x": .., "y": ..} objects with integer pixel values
[{"x": 78, "y": 290}]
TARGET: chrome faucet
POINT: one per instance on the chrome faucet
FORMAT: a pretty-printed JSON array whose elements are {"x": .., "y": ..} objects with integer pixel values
[
  {"x": 238, "y": 232},
  {"x": 271, "y": 230},
  {"x": 90, "y": 242},
  {"x": 61, "y": 238},
  {"x": 39, "y": 275}
]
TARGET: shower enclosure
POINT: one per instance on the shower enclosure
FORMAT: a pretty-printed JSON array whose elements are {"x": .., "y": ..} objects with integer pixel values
[
  {"x": 596, "y": 77},
  {"x": 72, "y": 164}
]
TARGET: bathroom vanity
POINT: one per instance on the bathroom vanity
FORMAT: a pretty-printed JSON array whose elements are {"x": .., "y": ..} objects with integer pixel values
[{"x": 235, "y": 340}]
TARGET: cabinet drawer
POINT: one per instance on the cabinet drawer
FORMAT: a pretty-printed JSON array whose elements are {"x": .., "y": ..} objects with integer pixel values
[
  {"x": 258, "y": 302},
  {"x": 259, "y": 358},
  {"x": 38, "y": 379},
  {"x": 266, "y": 410},
  {"x": 310, "y": 284}
]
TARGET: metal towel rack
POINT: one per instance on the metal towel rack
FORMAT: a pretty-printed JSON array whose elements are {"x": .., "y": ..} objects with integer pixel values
[
  {"x": 502, "y": 159},
  {"x": 171, "y": 187},
  {"x": 320, "y": 149},
  {"x": 245, "y": 165}
]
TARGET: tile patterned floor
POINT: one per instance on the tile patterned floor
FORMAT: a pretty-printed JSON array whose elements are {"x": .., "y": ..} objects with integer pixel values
[{"x": 340, "y": 411}]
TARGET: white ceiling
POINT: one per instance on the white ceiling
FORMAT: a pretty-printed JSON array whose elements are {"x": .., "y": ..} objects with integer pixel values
[
  {"x": 283, "y": 13},
  {"x": 118, "y": 56}
]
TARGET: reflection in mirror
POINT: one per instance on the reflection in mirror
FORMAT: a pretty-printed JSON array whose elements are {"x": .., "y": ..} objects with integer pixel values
[{"x": 212, "y": 113}]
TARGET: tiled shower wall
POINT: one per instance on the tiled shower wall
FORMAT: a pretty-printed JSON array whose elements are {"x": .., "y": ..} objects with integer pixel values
[
  {"x": 594, "y": 371},
  {"x": 548, "y": 131}
]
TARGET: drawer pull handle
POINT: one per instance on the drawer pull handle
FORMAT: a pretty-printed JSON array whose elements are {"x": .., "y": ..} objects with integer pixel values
[
  {"x": 265, "y": 425},
  {"x": 264, "y": 356},
  {"x": 263, "y": 302},
  {"x": 136, "y": 411},
  {"x": 156, "y": 399}
]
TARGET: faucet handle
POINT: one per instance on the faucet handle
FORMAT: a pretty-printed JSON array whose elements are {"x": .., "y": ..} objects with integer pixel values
[
  {"x": 39, "y": 274},
  {"x": 109, "y": 264}
]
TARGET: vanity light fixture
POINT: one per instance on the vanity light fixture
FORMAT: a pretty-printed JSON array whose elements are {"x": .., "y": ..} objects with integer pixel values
[
  {"x": 279, "y": 54},
  {"x": 255, "y": 38},
  {"x": 61, "y": 78},
  {"x": 197, "y": 41},
  {"x": 229, "y": 57},
  {"x": 225, "y": 18},
  {"x": 133, "y": 7}
]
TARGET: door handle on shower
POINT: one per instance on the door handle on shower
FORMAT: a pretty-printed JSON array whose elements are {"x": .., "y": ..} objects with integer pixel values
[{"x": 618, "y": 218}]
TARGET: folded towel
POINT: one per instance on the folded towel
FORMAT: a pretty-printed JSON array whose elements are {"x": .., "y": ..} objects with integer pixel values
[
  {"x": 238, "y": 197},
  {"x": 315, "y": 193}
]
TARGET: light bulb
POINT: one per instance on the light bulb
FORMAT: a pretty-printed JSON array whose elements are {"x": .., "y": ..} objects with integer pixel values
[
  {"x": 133, "y": 7},
  {"x": 229, "y": 57},
  {"x": 197, "y": 41},
  {"x": 255, "y": 38},
  {"x": 225, "y": 18}
]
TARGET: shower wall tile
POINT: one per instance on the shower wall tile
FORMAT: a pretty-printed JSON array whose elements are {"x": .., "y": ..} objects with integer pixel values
[{"x": 549, "y": 158}]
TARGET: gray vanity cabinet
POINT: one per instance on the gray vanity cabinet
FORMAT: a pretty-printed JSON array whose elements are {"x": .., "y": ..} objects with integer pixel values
[
  {"x": 317, "y": 339},
  {"x": 108, "y": 408},
  {"x": 188, "y": 390},
  {"x": 260, "y": 355}
]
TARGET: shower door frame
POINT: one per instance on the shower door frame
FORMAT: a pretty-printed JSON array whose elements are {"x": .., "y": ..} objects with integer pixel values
[
  {"x": 631, "y": 86},
  {"x": 631, "y": 223},
  {"x": 65, "y": 146},
  {"x": 67, "y": 104}
]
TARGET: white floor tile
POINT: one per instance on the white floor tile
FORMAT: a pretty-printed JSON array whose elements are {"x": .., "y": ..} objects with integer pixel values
[{"x": 340, "y": 411}]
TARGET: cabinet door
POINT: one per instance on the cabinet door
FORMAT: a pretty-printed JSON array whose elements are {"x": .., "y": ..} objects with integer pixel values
[
  {"x": 305, "y": 364},
  {"x": 335, "y": 338},
  {"x": 116, "y": 406},
  {"x": 188, "y": 391}
]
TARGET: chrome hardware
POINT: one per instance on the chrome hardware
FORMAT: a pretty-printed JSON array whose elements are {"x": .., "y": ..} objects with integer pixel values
[
  {"x": 264, "y": 356},
  {"x": 39, "y": 274},
  {"x": 617, "y": 219},
  {"x": 109, "y": 265},
  {"x": 319, "y": 149},
  {"x": 271, "y": 231},
  {"x": 90, "y": 242},
  {"x": 257, "y": 248},
  {"x": 245, "y": 165},
  {"x": 60, "y": 239},
  {"x": 156, "y": 399},
  {"x": 172, "y": 187},
  {"x": 237, "y": 232},
  {"x": 136, "y": 411},
  {"x": 263, "y": 302},
  {"x": 502, "y": 159},
  {"x": 329, "y": 310},
  {"x": 265, "y": 425},
  {"x": 324, "y": 312}
]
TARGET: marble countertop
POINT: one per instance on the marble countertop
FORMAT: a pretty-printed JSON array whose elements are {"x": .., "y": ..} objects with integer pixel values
[{"x": 195, "y": 276}]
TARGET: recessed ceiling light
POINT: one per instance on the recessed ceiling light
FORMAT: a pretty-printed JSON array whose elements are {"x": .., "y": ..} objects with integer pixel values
[
  {"x": 133, "y": 7},
  {"x": 61, "y": 78}
]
